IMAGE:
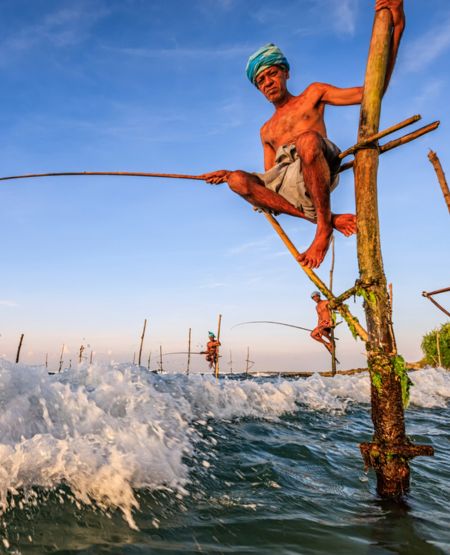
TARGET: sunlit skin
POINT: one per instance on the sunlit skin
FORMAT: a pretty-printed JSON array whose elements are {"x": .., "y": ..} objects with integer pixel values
[
  {"x": 299, "y": 120},
  {"x": 322, "y": 332},
  {"x": 211, "y": 350}
]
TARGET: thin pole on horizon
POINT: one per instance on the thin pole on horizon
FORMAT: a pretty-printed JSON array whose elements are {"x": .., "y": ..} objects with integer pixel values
[
  {"x": 134, "y": 358},
  {"x": 142, "y": 342},
  {"x": 189, "y": 353},
  {"x": 61, "y": 358},
  {"x": 46, "y": 360},
  {"x": 91, "y": 357},
  {"x": 231, "y": 362},
  {"x": 80, "y": 354},
  {"x": 19, "y": 348},
  {"x": 333, "y": 341},
  {"x": 149, "y": 359},
  {"x": 160, "y": 360},
  {"x": 216, "y": 366}
]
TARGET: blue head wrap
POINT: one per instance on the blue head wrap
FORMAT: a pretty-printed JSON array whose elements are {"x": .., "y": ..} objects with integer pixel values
[
  {"x": 267, "y": 56},
  {"x": 211, "y": 334}
]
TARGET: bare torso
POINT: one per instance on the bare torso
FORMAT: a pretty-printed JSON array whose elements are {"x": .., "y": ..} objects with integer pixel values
[
  {"x": 301, "y": 113},
  {"x": 324, "y": 314}
]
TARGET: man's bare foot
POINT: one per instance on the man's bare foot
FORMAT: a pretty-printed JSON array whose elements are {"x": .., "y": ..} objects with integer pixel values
[
  {"x": 345, "y": 223},
  {"x": 314, "y": 255}
]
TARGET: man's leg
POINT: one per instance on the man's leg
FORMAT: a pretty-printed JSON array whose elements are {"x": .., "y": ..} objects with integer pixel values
[
  {"x": 316, "y": 173},
  {"x": 317, "y": 335},
  {"x": 252, "y": 189}
]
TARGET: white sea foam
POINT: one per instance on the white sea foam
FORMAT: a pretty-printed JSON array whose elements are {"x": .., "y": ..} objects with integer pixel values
[{"x": 106, "y": 431}]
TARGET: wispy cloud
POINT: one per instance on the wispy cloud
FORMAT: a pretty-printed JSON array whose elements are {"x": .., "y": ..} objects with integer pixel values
[
  {"x": 259, "y": 245},
  {"x": 64, "y": 27},
  {"x": 430, "y": 91},
  {"x": 186, "y": 53},
  {"x": 8, "y": 303},
  {"x": 425, "y": 49}
]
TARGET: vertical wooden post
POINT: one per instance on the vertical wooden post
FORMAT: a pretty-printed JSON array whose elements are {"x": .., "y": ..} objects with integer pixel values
[
  {"x": 216, "y": 366},
  {"x": 91, "y": 357},
  {"x": 231, "y": 362},
  {"x": 388, "y": 453},
  {"x": 80, "y": 354},
  {"x": 333, "y": 341},
  {"x": 19, "y": 348},
  {"x": 189, "y": 353},
  {"x": 247, "y": 361},
  {"x": 438, "y": 349},
  {"x": 46, "y": 360},
  {"x": 142, "y": 342},
  {"x": 149, "y": 359},
  {"x": 134, "y": 358},
  {"x": 160, "y": 360},
  {"x": 61, "y": 358}
]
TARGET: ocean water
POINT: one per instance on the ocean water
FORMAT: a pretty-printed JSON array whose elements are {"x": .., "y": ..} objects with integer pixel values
[{"x": 114, "y": 459}]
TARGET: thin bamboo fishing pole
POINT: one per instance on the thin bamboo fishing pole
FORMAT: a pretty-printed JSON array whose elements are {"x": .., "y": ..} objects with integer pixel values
[
  {"x": 189, "y": 353},
  {"x": 123, "y": 174},
  {"x": 333, "y": 340}
]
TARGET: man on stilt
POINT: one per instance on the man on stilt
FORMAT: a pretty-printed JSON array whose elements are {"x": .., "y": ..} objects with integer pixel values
[
  {"x": 212, "y": 350},
  {"x": 325, "y": 324},
  {"x": 301, "y": 163}
]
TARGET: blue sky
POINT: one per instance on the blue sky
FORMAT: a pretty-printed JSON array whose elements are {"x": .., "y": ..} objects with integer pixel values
[{"x": 160, "y": 86}]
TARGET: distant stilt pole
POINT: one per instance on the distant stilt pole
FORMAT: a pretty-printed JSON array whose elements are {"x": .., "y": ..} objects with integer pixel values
[
  {"x": 332, "y": 338},
  {"x": 189, "y": 353},
  {"x": 142, "y": 342},
  {"x": 390, "y": 450},
  {"x": 61, "y": 358},
  {"x": 149, "y": 359},
  {"x": 438, "y": 349},
  {"x": 434, "y": 159},
  {"x": 231, "y": 362},
  {"x": 91, "y": 357},
  {"x": 160, "y": 360},
  {"x": 134, "y": 358},
  {"x": 247, "y": 361},
  {"x": 19, "y": 348},
  {"x": 80, "y": 354},
  {"x": 216, "y": 365},
  {"x": 46, "y": 360}
]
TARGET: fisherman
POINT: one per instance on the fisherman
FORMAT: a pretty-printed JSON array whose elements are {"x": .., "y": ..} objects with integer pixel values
[
  {"x": 301, "y": 164},
  {"x": 212, "y": 349},
  {"x": 325, "y": 322}
]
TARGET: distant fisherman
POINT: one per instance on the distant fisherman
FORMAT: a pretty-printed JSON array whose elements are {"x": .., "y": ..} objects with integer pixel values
[
  {"x": 212, "y": 349},
  {"x": 301, "y": 164},
  {"x": 325, "y": 322}
]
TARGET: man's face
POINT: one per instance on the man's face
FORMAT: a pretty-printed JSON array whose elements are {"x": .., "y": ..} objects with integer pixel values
[
  {"x": 316, "y": 298},
  {"x": 272, "y": 83}
]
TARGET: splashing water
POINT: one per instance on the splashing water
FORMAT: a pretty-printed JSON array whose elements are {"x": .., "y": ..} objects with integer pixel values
[{"x": 159, "y": 449}]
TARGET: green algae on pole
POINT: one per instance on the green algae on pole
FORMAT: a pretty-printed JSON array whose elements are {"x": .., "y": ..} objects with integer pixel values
[{"x": 390, "y": 450}]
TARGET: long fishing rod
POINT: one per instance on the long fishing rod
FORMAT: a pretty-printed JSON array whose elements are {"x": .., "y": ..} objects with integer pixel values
[
  {"x": 272, "y": 322},
  {"x": 127, "y": 174}
]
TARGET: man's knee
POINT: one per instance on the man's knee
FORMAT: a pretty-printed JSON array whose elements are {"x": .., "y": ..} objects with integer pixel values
[
  {"x": 309, "y": 146},
  {"x": 239, "y": 182}
]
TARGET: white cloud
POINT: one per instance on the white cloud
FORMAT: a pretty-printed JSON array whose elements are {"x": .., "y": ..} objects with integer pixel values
[
  {"x": 8, "y": 303},
  {"x": 64, "y": 27},
  {"x": 259, "y": 245},
  {"x": 425, "y": 49},
  {"x": 344, "y": 14},
  {"x": 186, "y": 53}
]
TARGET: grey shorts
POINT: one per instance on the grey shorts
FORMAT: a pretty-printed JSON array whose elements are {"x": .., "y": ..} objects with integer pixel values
[{"x": 286, "y": 177}]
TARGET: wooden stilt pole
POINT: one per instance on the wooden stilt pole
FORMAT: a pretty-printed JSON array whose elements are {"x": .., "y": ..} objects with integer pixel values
[
  {"x": 142, "y": 342},
  {"x": 247, "y": 361},
  {"x": 46, "y": 360},
  {"x": 434, "y": 159},
  {"x": 231, "y": 362},
  {"x": 19, "y": 348},
  {"x": 333, "y": 341},
  {"x": 61, "y": 358},
  {"x": 80, "y": 354},
  {"x": 91, "y": 357},
  {"x": 216, "y": 365},
  {"x": 352, "y": 322},
  {"x": 438, "y": 349},
  {"x": 160, "y": 360},
  {"x": 390, "y": 450},
  {"x": 149, "y": 359},
  {"x": 189, "y": 353}
]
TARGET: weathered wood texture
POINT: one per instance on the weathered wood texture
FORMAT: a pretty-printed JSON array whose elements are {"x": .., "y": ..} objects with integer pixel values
[
  {"x": 434, "y": 159},
  {"x": 392, "y": 469}
]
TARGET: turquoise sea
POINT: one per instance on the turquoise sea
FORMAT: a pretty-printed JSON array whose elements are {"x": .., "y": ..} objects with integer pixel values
[{"x": 112, "y": 459}]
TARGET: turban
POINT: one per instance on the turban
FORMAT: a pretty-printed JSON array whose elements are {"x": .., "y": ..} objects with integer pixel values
[
  {"x": 267, "y": 56},
  {"x": 315, "y": 293}
]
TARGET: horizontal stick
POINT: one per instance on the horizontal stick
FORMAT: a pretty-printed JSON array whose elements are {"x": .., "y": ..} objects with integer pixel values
[
  {"x": 445, "y": 290},
  {"x": 126, "y": 174},
  {"x": 380, "y": 135},
  {"x": 398, "y": 142}
]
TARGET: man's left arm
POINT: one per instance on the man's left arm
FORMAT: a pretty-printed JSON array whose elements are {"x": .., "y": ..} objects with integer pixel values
[{"x": 398, "y": 20}]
